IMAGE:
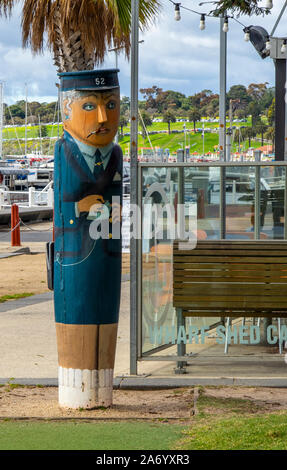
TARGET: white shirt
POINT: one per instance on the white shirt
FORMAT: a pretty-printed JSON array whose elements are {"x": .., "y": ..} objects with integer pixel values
[{"x": 88, "y": 152}]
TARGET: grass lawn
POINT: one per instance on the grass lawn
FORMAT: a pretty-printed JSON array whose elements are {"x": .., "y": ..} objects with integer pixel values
[
  {"x": 221, "y": 422},
  {"x": 234, "y": 424},
  {"x": 176, "y": 141},
  {"x": 173, "y": 141},
  {"x": 4, "y": 298},
  {"x": 261, "y": 432},
  {"x": 15, "y": 435}
]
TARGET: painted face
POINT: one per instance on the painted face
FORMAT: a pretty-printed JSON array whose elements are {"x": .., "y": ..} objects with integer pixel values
[{"x": 94, "y": 118}]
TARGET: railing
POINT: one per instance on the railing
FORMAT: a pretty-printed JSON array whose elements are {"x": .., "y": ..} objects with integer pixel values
[{"x": 30, "y": 198}]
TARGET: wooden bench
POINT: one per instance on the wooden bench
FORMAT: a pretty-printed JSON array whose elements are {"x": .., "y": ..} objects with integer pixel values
[{"x": 229, "y": 279}]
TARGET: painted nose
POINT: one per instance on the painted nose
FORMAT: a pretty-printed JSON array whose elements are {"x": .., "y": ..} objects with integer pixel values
[{"x": 102, "y": 115}]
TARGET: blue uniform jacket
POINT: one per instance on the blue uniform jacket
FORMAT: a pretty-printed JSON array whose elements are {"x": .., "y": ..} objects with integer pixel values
[{"x": 87, "y": 272}]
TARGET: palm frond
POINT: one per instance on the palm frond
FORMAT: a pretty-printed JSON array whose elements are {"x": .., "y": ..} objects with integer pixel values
[
  {"x": 79, "y": 32},
  {"x": 6, "y": 7},
  {"x": 245, "y": 7}
]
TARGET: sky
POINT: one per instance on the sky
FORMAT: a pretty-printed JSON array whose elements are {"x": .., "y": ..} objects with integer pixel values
[{"x": 175, "y": 55}]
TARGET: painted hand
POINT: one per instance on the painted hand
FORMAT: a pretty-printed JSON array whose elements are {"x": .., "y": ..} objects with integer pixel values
[{"x": 87, "y": 202}]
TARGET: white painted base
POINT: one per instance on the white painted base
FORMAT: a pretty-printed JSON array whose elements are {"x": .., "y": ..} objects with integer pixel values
[{"x": 85, "y": 388}]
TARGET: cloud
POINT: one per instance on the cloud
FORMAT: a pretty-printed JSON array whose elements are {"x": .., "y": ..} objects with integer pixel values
[{"x": 175, "y": 55}]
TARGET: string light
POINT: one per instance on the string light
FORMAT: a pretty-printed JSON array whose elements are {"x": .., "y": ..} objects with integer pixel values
[
  {"x": 177, "y": 16},
  {"x": 225, "y": 25},
  {"x": 202, "y": 22},
  {"x": 284, "y": 46},
  {"x": 269, "y": 4},
  {"x": 268, "y": 44}
]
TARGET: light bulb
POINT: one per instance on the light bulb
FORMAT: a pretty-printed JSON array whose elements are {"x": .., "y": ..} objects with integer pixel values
[
  {"x": 247, "y": 36},
  {"x": 269, "y": 4},
  {"x": 202, "y": 22},
  {"x": 225, "y": 25},
  {"x": 177, "y": 16},
  {"x": 284, "y": 46},
  {"x": 268, "y": 44}
]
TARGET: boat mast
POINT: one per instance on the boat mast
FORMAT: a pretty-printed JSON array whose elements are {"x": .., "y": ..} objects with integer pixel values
[
  {"x": 26, "y": 113},
  {"x": 40, "y": 134},
  {"x": 1, "y": 120}
]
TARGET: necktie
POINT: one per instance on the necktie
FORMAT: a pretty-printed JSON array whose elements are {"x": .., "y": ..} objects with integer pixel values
[{"x": 98, "y": 168}]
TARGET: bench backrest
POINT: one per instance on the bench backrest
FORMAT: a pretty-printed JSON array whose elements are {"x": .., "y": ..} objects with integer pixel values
[{"x": 230, "y": 276}]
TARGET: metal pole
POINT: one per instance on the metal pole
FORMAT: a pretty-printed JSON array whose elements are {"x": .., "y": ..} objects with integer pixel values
[
  {"x": 1, "y": 120},
  {"x": 228, "y": 144},
  {"x": 257, "y": 204},
  {"x": 279, "y": 18},
  {"x": 222, "y": 126},
  {"x": 58, "y": 114},
  {"x": 222, "y": 203},
  {"x": 26, "y": 112},
  {"x": 134, "y": 246},
  {"x": 203, "y": 139},
  {"x": 222, "y": 95},
  {"x": 280, "y": 81},
  {"x": 40, "y": 134}
]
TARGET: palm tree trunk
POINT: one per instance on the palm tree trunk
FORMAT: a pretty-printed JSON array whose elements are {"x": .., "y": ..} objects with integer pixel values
[{"x": 70, "y": 55}]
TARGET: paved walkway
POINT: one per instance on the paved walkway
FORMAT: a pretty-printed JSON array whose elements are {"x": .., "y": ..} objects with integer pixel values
[{"x": 28, "y": 339}]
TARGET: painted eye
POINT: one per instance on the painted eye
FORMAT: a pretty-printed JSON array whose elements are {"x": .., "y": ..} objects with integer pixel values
[
  {"x": 88, "y": 106},
  {"x": 111, "y": 105}
]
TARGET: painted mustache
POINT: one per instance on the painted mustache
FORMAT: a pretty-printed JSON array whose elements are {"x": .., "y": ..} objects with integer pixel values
[{"x": 98, "y": 131}]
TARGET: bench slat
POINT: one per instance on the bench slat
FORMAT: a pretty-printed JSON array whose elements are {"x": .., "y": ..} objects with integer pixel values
[
  {"x": 229, "y": 290},
  {"x": 209, "y": 303},
  {"x": 230, "y": 259},
  {"x": 229, "y": 276},
  {"x": 235, "y": 253},
  {"x": 232, "y": 277}
]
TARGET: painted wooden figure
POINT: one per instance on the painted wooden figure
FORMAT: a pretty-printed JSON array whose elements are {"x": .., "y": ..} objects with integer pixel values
[{"x": 87, "y": 251}]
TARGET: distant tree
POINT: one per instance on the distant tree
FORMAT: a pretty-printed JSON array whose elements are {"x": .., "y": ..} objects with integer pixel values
[
  {"x": 42, "y": 131},
  {"x": 238, "y": 92},
  {"x": 171, "y": 99},
  {"x": 240, "y": 113},
  {"x": 123, "y": 122},
  {"x": 267, "y": 98},
  {"x": 249, "y": 133},
  {"x": 257, "y": 90},
  {"x": 150, "y": 95},
  {"x": 270, "y": 134},
  {"x": 125, "y": 105},
  {"x": 145, "y": 120},
  {"x": 17, "y": 110},
  {"x": 194, "y": 115},
  {"x": 254, "y": 109},
  {"x": 261, "y": 128},
  {"x": 169, "y": 117},
  {"x": 32, "y": 119},
  {"x": 271, "y": 113}
]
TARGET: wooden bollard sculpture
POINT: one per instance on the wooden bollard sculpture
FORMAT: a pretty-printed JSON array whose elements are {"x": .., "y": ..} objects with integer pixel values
[{"x": 87, "y": 250}]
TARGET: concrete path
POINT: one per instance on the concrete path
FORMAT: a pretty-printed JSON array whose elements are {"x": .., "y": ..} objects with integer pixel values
[{"x": 28, "y": 338}]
